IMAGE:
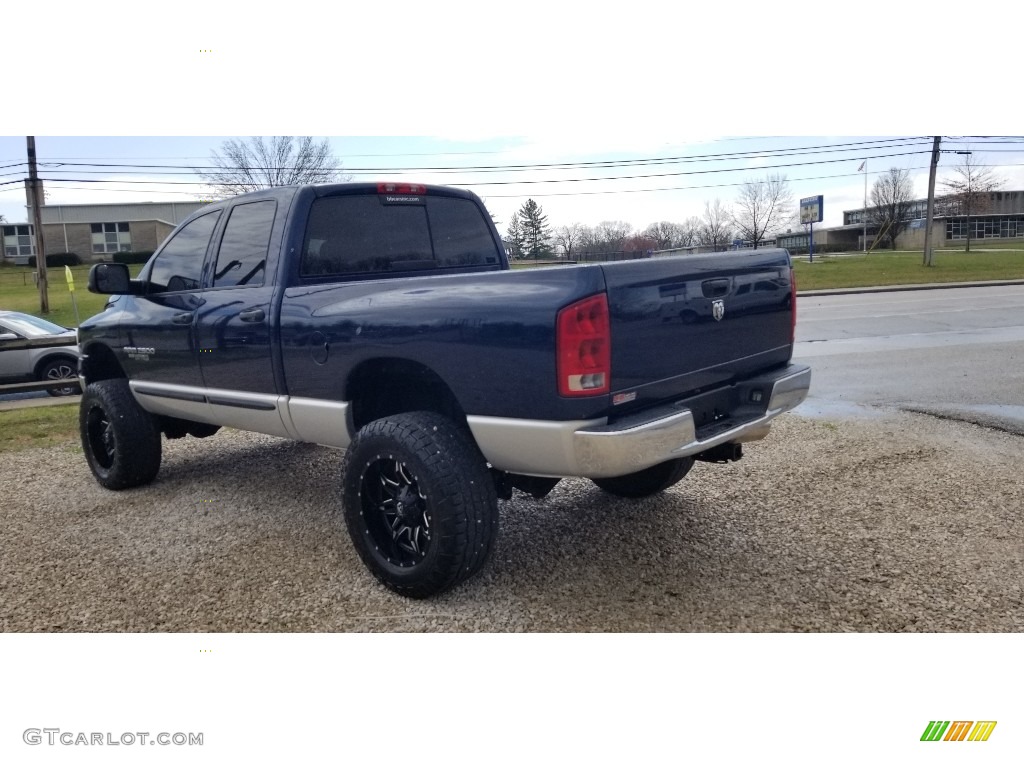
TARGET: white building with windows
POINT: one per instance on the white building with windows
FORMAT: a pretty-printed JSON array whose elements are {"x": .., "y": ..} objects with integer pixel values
[
  {"x": 96, "y": 231},
  {"x": 998, "y": 220},
  {"x": 999, "y": 217}
]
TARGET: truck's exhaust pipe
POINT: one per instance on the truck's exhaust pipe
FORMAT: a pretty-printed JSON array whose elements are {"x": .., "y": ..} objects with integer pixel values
[{"x": 722, "y": 454}]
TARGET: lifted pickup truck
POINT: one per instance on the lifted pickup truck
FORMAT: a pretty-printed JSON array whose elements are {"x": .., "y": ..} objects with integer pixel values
[{"x": 384, "y": 319}]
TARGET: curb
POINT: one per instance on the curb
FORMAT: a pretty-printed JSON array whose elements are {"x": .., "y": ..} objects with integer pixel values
[{"x": 911, "y": 287}]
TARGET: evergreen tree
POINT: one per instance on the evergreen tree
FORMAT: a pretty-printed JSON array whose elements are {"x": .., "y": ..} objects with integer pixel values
[
  {"x": 536, "y": 232},
  {"x": 516, "y": 238}
]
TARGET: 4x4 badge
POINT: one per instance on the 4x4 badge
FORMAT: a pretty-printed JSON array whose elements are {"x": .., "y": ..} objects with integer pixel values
[{"x": 718, "y": 309}]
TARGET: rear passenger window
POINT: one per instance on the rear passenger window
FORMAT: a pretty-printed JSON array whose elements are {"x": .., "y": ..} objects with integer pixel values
[
  {"x": 353, "y": 234},
  {"x": 242, "y": 259}
]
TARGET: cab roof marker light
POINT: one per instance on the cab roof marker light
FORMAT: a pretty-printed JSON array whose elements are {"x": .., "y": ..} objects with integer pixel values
[{"x": 389, "y": 188}]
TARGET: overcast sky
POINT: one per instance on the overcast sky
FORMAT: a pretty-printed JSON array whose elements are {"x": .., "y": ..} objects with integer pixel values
[{"x": 659, "y": 87}]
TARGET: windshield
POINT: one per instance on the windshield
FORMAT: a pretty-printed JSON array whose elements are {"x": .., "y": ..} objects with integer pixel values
[{"x": 30, "y": 326}]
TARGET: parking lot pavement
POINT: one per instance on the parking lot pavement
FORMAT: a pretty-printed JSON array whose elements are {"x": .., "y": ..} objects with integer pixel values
[{"x": 902, "y": 522}]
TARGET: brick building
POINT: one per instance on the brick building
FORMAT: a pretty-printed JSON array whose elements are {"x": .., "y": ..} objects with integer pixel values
[{"x": 95, "y": 231}]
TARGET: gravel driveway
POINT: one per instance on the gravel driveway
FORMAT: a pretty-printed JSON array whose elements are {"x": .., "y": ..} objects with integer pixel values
[{"x": 903, "y": 522}]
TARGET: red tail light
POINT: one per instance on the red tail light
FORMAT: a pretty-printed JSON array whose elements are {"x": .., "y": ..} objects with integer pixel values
[
  {"x": 400, "y": 189},
  {"x": 584, "y": 348},
  {"x": 792, "y": 306}
]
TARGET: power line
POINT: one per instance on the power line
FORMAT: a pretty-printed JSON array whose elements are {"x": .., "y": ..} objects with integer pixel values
[
  {"x": 560, "y": 181},
  {"x": 505, "y": 169},
  {"x": 163, "y": 182},
  {"x": 595, "y": 192},
  {"x": 724, "y": 156},
  {"x": 985, "y": 141}
]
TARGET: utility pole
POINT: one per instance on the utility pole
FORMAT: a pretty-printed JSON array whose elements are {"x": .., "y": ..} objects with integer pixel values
[
  {"x": 864, "y": 165},
  {"x": 35, "y": 199},
  {"x": 931, "y": 202}
]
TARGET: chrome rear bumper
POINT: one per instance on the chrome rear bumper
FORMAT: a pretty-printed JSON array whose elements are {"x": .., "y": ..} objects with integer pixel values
[{"x": 599, "y": 449}]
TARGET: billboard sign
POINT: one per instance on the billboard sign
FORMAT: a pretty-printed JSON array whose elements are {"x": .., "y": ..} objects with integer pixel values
[{"x": 811, "y": 209}]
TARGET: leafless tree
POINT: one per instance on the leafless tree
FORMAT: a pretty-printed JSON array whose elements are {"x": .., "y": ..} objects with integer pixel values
[
  {"x": 689, "y": 232},
  {"x": 568, "y": 237},
  {"x": 612, "y": 234},
  {"x": 666, "y": 234},
  {"x": 640, "y": 243},
  {"x": 763, "y": 207},
  {"x": 276, "y": 161},
  {"x": 891, "y": 198},
  {"x": 969, "y": 191},
  {"x": 716, "y": 227}
]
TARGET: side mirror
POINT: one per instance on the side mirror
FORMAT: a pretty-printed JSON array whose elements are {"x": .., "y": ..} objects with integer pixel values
[
  {"x": 110, "y": 278},
  {"x": 8, "y": 337}
]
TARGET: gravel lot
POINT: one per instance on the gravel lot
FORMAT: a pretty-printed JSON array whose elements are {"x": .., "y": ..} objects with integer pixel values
[{"x": 903, "y": 522}]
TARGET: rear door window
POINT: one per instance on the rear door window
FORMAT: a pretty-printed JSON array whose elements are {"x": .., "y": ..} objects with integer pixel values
[
  {"x": 242, "y": 259},
  {"x": 359, "y": 234}
]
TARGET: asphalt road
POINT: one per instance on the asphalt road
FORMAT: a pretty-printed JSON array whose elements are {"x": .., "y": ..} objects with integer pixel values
[{"x": 955, "y": 353}]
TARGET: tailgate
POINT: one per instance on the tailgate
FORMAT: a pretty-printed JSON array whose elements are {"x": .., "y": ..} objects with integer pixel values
[{"x": 686, "y": 323}]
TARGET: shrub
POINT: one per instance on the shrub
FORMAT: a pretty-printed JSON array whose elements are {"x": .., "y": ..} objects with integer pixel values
[
  {"x": 132, "y": 257},
  {"x": 58, "y": 260}
]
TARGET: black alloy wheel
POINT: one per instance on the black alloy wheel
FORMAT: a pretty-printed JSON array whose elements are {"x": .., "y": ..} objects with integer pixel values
[
  {"x": 419, "y": 502},
  {"x": 395, "y": 510},
  {"x": 121, "y": 441}
]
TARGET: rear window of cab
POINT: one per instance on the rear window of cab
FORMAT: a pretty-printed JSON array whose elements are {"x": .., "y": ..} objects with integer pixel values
[{"x": 381, "y": 233}]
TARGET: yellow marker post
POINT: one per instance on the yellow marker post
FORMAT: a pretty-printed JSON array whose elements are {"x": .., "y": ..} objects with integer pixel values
[{"x": 71, "y": 289}]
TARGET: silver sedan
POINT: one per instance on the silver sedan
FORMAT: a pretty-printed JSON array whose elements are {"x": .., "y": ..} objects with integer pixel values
[{"x": 33, "y": 349}]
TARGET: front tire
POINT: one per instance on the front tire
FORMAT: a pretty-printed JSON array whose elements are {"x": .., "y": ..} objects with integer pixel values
[
  {"x": 121, "y": 440},
  {"x": 646, "y": 482},
  {"x": 420, "y": 504},
  {"x": 58, "y": 369}
]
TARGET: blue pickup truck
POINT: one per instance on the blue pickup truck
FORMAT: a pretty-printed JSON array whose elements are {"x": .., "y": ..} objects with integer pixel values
[{"x": 383, "y": 319}]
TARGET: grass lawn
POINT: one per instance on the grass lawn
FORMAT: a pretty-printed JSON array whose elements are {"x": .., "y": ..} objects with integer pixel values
[
  {"x": 898, "y": 268},
  {"x": 41, "y": 427},
  {"x": 19, "y": 293},
  {"x": 905, "y": 268}
]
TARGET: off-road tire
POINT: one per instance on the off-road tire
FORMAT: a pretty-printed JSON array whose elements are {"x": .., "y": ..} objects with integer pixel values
[
  {"x": 646, "y": 482},
  {"x": 121, "y": 440},
  {"x": 419, "y": 503}
]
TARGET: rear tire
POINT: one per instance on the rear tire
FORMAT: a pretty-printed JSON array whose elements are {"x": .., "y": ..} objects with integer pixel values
[
  {"x": 646, "y": 482},
  {"x": 420, "y": 504},
  {"x": 121, "y": 440}
]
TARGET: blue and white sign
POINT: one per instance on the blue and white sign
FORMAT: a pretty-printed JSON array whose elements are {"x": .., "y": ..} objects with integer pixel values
[{"x": 811, "y": 209}]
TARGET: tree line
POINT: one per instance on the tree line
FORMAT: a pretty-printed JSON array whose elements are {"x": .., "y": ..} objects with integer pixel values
[{"x": 762, "y": 208}]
